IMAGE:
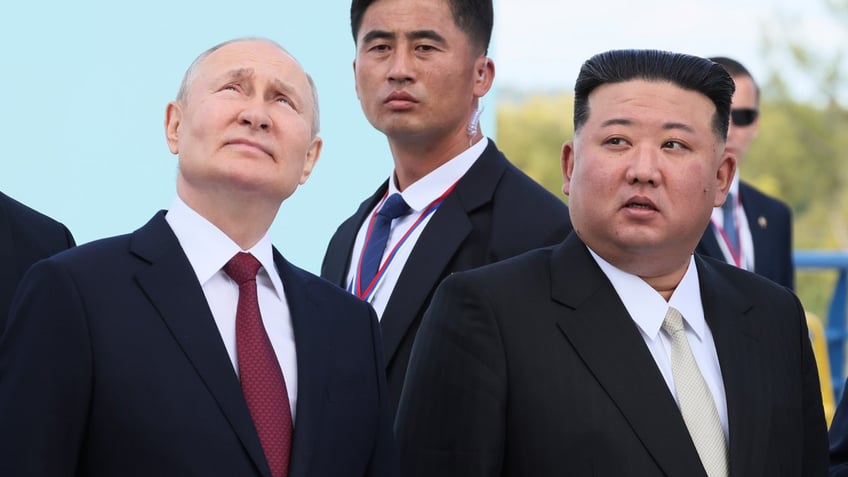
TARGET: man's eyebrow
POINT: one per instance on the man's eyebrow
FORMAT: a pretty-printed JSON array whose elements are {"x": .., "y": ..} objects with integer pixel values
[
  {"x": 414, "y": 35},
  {"x": 682, "y": 126},
  {"x": 238, "y": 74},
  {"x": 426, "y": 35},
  {"x": 289, "y": 89},
  {"x": 665, "y": 126},
  {"x": 616, "y": 122},
  {"x": 378, "y": 35}
]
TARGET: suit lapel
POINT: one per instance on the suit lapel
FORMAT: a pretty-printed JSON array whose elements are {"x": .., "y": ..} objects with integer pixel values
[
  {"x": 742, "y": 370},
  {"x": 313, "y": 348},
  {"x": 759, "y": 231},
  {"x": 439, "y": 241},
  {"x": 601, "y": 331},
  {"x": 340, "y": 250},
  {"x": 438, "y": 244},
  {"x": 172, "y": 287}
]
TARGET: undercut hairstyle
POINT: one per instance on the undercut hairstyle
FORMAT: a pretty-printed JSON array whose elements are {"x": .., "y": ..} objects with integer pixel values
[
  {"x": 475, "y": 18},
  {"x": 688, "y": 72},
  {"x": 191, "y": 73},
  {"x": 736, "y": 69}
]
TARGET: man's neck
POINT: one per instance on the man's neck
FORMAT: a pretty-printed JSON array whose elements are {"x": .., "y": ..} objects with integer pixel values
[
  {"x": 414, "y": 159},
  {"x": 244, "y": 219}
]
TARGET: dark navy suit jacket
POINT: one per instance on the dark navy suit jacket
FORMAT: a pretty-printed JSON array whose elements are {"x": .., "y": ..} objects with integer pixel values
[
  {"x": 26, "y": 236},
  {"x": 494, "y": 212},
  {"x": 770, "y": 221},
  {"x": 112, "y": 365}
]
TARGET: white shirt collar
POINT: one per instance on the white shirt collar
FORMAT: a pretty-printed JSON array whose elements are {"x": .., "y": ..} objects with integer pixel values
[
  {"x": 208, "y": 248},
  {"x": 427, "y": 189},
  {"x": 648, "y": 308}
]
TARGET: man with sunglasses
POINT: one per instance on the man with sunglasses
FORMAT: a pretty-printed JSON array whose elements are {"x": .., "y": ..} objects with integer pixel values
[{"x": 751, "y": 230}]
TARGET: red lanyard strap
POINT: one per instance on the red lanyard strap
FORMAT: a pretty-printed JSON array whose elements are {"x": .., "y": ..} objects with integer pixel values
[{"x": 368, "y": 292}]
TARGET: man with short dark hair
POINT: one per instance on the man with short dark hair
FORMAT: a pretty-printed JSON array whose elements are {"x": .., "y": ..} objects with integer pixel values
[
  {"x": 619, "y": 352},
  {"x": 454, "y": 200},
  {"x": 751, "y": 230}
]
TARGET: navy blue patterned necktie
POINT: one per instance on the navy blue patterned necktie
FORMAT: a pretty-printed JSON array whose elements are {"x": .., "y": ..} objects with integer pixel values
[{"x": 392, "y": 208}]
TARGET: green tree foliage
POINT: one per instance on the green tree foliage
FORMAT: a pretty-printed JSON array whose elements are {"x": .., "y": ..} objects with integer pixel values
[{"x": 531, "y": 130}]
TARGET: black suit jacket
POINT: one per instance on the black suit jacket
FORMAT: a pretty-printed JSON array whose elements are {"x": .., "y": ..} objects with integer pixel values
[
  {"x": 112, "y": 365},
  {"x": 533, "y": 367},
  {"x": 839, "y": 439},
  {"x": 26, "y": 236},
  {"x": 494, "y": 212},
  {"x": 770, "y": 221}
]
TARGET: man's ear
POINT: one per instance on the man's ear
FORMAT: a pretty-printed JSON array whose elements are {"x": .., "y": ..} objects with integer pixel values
[
  {"x": 485, "y": 76},
  {"x": 173, "y": 118},
  {"x": 567, "y": 162},
  {"x": 312, "y": 156},
  {"x": 724, "y": 177}
]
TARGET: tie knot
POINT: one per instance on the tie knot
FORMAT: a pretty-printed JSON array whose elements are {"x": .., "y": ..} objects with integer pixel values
[
  {"x": 242, "y": 267},
  {"x": 673, "y": 321},
  {"x": 394, "y": 207}
]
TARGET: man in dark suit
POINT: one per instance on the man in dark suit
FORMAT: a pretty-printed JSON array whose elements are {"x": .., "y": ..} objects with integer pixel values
[
  {"x": 759, "y": 238},
  {"x": 421, "y": 69},
  {"x": 26, "y": 236},
  {"x": 619, "y": 352},
  {"x": 166, "y": 352}
]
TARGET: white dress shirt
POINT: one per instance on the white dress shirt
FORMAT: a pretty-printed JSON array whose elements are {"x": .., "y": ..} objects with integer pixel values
[
  {"x": 208, "y": 249},
  {"x": 746, "y": 254},
  {"x": 418, "y": 196},
  {"x": 648, "y": 308}
]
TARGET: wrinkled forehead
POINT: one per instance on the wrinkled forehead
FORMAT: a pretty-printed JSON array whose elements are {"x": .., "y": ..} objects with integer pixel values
[{"x": 254, "y": 57}]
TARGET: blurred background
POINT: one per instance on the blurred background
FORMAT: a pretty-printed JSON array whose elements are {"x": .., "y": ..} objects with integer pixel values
[{"x": 84, "y": 86}]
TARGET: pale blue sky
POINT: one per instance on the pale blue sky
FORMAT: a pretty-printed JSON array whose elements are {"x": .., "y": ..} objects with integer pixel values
[
  {"x": 85, "y": 85},
  {"x": 542, "y": 43}
]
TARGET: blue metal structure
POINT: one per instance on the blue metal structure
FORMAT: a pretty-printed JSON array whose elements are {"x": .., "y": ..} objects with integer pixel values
[{"x": 837, "y": 314}]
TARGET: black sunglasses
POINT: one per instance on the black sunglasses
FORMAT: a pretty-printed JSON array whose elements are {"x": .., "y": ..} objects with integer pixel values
[{"x": 743, "y": 116}]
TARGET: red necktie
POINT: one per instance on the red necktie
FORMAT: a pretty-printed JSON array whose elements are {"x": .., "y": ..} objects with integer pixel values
[{"x": 262, "y": 380}]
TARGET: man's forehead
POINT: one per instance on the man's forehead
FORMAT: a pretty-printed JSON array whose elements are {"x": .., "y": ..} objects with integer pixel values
[
  {"x": 244, "y": 62},
  {"x": 648, "y": 94},
  {"x": 248, "y": 54},
  {"x": 407, "y": 18}
]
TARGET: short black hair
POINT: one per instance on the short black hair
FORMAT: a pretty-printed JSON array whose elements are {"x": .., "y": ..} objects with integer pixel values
[
  {"x": 686, "y": 71},
  {"x": 735, "y": 69},
  {"x": 474, "y": 17}
]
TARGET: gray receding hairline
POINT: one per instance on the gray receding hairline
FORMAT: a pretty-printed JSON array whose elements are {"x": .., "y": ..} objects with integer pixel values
[{"x": 191, "y": 73}]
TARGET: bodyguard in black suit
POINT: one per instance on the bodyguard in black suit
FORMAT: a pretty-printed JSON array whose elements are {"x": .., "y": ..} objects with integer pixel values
[
  {"x": 763, "y": 223},
  {"x": 126, "y": 356},
  {"x": 26, "y": 236},
  {"x": 419, "y": 78},
  {"x": 575, "y": 359}
]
